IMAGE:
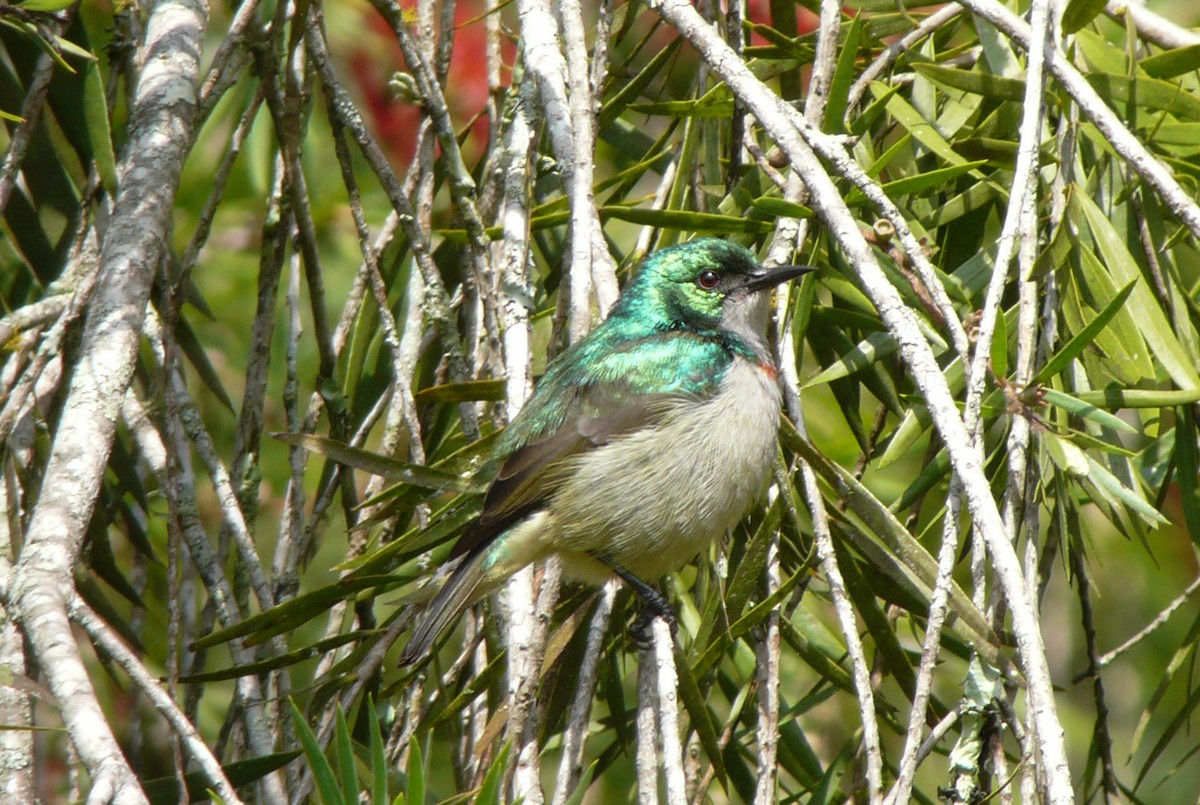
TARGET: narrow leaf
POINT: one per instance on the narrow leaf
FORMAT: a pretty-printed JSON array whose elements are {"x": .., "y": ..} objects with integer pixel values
[
  {"x": 988, "y": 84},
  {"x": 1079, "y": 13},
  {"x": 1171, "y": 63},
  {"x": 414, "y": 785},
  {"x": 686, "y": 220},
  {"x": 379, "y": 764},
  {"x": 345, "y": 757},
  {"x": 1086, "y": 410},
  {"x": 327, "y": 784},
  {"x": 378, "y": 464},
  {"x": 1087, "y": 335},
  {"x": 302, "y": 608},
  {"x": 1153, "y": 324}
]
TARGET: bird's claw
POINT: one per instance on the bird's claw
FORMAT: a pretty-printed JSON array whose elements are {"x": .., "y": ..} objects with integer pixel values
[{"x": 642, "y": 631}]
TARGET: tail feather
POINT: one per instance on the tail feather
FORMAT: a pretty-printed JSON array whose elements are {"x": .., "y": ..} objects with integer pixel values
[{"x": 458, "y": 591}]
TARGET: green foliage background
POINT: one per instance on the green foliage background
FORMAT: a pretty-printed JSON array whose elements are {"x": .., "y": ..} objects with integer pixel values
[{"x": 1115, "y": 447}]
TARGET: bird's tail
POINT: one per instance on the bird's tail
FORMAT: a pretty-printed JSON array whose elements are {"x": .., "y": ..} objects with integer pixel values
[{"x": 458, "y": 591}]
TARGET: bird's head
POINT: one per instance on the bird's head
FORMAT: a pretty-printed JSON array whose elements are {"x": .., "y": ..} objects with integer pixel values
[{"x": 705, "y": 284}]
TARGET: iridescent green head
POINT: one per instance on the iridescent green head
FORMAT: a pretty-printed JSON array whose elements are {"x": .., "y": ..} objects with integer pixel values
[{"x": 705, "y": 284}]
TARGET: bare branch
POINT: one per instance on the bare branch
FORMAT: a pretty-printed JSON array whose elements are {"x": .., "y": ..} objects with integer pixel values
[
  {"x": 112, "y": 645},
  {"x": 1151, "y": 26},
  {"x": 662, "y": 657},
  {"x": 161, "y": 120},
  {"x": 892, "y": 52}
]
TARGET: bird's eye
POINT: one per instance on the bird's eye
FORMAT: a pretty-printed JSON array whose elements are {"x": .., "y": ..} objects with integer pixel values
[{"x": 708, "y": 279}]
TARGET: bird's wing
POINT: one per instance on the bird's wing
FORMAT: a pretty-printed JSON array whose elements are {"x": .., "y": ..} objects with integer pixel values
[
  {"x": 626, "y": 386},
  {"x": 531, "y": 474}
]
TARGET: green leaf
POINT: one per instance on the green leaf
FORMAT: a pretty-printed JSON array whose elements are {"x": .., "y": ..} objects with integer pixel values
[
  {"x": 1103, "y": 478},
  {"x": 1086, "y": 410},
  {"x": 322, "y": 772},
  {"x": 1121, "y": 349},
  {"x": 1152, "y": 323},
  {"x": 937, "y": 178},
  {"x": 883, "y": 94},
  {"x": 922, "y": 130},
  {"x": 1187, "y": 134},
  {"x": 379, "y": 764},
  {"x": 874, "y": 347},
  {"x": 1065, "y": 455},
  {"x": 1150, "y": 93},
  {"x": 99, "y": 128},
  {"x": 276, "y": 661},
  {"x": 345, "y": 758},
  {"x": 414, "y": 785},
  {"x": 1079, "y": 13},
  {"x": 467, "y": 391},
  {"x": 44, "y": 5},
  {"x": 632, "y": 88},
  {"x": 1114, "y": 397},
  {"x": 701, "y": 107},
  {"x": 1171, "y": 63},
  {"x": 970, "y": 200},
  {"x": 686, "y": 220},
  {"x": 698, "y": 712},
  {"x": 817, "y": 646},
  {"x": 294, "y": 611},
  {"x": 489, "y": 792},
  {"x": 197, "y": 356},
  {"x": 165, "y": 790},
  {"x": 1087, "y": 335},
  {"x": 377, "y": 464},
  {"x": 882, "y": 524},
  {"x": 864, "y": 596},
  {"x": 1181, "y": 718},
  {"x": 585, "y": 780},
  {"x": 781, "y": 208},
  {"x": 978, "y": 83},
  {"x": 843, "y": 77},
  {"x": 999, "y": 347},
  {"x": 1187, "y": 464}
]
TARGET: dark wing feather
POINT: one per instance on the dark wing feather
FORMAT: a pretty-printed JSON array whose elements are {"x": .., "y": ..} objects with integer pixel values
[{"x": 532, "y": 473}]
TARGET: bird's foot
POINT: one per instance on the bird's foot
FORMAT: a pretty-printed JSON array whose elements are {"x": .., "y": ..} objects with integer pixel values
[
  {"x": 654, "y": 605},
  {"x": 642, "y": 630}
]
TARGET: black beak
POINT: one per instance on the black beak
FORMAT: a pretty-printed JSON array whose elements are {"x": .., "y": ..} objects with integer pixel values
[{"x": 765, "y": 277}]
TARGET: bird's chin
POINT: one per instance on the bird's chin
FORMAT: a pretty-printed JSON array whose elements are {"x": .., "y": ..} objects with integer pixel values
[{"x": 748, "y": 314}]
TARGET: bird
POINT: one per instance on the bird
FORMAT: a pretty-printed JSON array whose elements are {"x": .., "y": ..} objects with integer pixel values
[{"x": 641, "y": 444}]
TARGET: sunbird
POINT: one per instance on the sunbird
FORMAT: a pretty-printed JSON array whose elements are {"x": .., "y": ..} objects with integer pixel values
[{"x": 642, "y": 443}]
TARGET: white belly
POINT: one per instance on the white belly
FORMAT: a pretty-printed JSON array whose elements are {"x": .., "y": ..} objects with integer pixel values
[{"x": 653, "y": 499}]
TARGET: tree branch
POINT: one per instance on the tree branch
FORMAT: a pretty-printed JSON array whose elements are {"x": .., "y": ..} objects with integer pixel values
[{"x": 161, "y": 132}]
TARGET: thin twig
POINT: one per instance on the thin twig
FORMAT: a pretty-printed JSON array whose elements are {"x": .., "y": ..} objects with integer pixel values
[
  {"x": 767, "y": 653},
  {"x": 437, "y": 301},
  {"x": 662, "y": 656},
  {"x": 112, "y": 645},
  {"x": 938, "y": 601},
  {"x": 834, "y": 150},
  {"x": 179, "y": 484},
  {"x": 893, "y": 51},
  {"x": 646, "y": 757},
  {"x": 575, "y": 733},
  {"x": 1151, "y": 26},
  {"x": 31, "y": 114},
  {"x": 845, "y": 614},
  {"x": 1162, "y": 617}
]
